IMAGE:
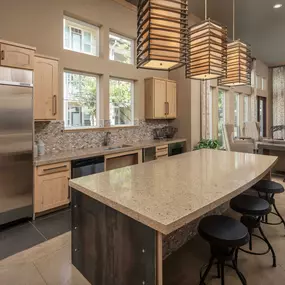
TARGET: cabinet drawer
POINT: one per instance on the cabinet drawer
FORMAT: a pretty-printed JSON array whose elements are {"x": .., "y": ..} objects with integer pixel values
[
  {"x": 53, "y": 168},
  {"x": 162, "y": 148}
]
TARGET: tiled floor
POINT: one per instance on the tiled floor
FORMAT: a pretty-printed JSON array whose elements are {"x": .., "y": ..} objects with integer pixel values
[
  {"x": 26, "y": 235},
  {"x": 50, "y": 263}
]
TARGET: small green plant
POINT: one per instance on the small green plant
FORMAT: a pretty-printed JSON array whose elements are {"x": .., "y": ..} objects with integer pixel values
[{"x": 204, "y": 143}]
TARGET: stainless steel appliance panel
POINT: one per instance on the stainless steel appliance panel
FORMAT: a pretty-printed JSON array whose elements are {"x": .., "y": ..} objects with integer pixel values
[{"x": 16, "y": 150}]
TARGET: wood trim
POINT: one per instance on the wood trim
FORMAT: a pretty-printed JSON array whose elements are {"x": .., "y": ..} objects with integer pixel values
[
  {"x": 122, "y": 154},
  {"x": 127, "y": 5},
  {"x": 159, "y": 258},
  {"x": 17, "y": 45},
  {"x": 46, "y": 56}
]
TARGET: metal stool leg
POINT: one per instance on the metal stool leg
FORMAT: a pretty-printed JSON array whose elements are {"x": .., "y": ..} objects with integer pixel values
[
  {"x": 236, "y": 256},
  {"x": 269, "y": 245},
  {"x": 240, "y": 275},
  {"x": 202, "y": 281},
  {"x": 277, "y": 212},
  {"x": 222, "y": 273},
  {"x": 218, "y": 270}
]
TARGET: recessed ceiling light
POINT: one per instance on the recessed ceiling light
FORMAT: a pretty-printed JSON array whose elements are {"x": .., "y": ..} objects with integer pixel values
[{"x": 276, "y": 6}]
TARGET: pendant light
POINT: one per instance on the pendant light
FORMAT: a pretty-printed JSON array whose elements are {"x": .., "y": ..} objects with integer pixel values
[
  {"x": 162, "y": 34},
  {"x": 238, "y": 61},
  {"x": 207, "y": 44}
]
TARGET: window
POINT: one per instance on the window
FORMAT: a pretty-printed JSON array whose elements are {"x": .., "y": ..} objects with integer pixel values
[
  {"x": 121, "y": 102},
  {"x": 80, "y": 36},
  {"x": 263, "y": 83},
  {"x": 210, "y": 113},
  {"x": 221, "y": 115},
  {"x": 236, "y": 114},
  {"x": 121, "y": 49},
  {"x": 80, "y": 100},
  {"x": 245, "y": 109}
]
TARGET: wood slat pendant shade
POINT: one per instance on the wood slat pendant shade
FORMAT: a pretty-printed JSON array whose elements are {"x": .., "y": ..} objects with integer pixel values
[
  {"x": 207, "y": 52},
  {"x": 162, "y": 34},
  {"x": 238, "y": 65}
]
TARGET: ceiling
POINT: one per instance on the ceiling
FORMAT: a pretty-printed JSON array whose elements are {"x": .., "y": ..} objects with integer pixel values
[{"x": 257, "y": 23}]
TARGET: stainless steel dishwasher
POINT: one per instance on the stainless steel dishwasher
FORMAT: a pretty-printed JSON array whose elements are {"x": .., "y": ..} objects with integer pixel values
[{"x": 87, "y": 166}]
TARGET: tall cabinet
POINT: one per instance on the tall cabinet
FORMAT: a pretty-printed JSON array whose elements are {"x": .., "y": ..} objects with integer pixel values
[
  {"x": 160, "y": 98},
  {"x": 46, "y": 88}
]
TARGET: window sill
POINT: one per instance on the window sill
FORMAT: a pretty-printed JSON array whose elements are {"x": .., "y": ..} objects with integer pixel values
[{"x": 74, "y": 130}]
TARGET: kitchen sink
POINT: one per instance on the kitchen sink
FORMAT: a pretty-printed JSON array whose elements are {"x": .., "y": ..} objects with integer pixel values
[{"x": 117, "y": 147}]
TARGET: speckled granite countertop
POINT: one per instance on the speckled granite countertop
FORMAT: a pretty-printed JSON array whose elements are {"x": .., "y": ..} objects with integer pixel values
[
  {"x": 89, "y": 152},
  {"x": 166, "y": 194}
]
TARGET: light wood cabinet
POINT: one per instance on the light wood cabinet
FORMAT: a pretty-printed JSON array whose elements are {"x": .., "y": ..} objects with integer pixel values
[
  {"x": 17, "y": 56},
  {"x": 160, "y": 98},
  {"x": 45, "y": 88},
  {"x": 51, "y": 186}
]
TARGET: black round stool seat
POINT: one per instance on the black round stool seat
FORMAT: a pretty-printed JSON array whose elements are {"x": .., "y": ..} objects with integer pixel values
[
  {"x": 223, "y": 231},
  {"x": 268, "y": 186},
  {"x": 250, "y": 205}
]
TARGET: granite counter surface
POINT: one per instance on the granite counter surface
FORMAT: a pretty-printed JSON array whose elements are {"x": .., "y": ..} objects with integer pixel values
[
  {"x": 167, "y": 194},
  {"x": 92, "y": 152}
]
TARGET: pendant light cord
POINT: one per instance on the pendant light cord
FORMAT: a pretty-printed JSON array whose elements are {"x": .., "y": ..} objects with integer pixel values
[
  {"x": 234, "y": 19},
  {"x": 206, "y": 9}
]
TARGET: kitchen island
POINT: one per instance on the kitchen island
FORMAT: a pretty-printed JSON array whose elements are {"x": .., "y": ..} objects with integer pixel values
[{"x": 120, "y": 217}]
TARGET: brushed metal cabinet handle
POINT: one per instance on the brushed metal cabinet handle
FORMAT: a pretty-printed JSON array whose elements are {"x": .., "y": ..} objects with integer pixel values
[
  {"x": 165, "y": 108},
  {"x": 2, "y": 54},
  {"x": 54, "y": 105}
]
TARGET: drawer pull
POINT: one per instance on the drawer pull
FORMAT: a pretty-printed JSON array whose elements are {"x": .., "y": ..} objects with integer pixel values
[{"x": 2, "y": 54}]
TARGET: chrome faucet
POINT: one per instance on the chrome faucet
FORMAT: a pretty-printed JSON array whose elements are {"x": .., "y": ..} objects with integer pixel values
[{"x": 106, "y": 138}]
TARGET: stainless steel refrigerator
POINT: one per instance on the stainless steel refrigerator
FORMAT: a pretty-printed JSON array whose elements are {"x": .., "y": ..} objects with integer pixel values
[{"x": 16, "y": 144}]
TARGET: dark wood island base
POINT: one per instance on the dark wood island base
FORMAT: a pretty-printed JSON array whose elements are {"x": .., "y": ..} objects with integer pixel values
[{"x": 109, "y": 248}]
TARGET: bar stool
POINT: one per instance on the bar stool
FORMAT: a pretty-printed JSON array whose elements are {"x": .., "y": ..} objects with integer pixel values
[
  {"x": 253, "y": 209},
  {"x": 225, "y": 235},
  {"x": 267, "y": 190}
]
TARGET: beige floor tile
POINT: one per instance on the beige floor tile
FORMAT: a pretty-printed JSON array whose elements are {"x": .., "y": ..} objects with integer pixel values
[
  {"x": 57, "y": 269},
  {"x": 21, "y": 274}
]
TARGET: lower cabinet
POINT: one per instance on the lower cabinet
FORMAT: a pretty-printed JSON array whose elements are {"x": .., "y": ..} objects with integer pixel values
[{"x": 51, "y": 186}]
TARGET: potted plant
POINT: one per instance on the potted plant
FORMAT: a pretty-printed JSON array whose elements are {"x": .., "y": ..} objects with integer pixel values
[{"x": 207, "y": 143}]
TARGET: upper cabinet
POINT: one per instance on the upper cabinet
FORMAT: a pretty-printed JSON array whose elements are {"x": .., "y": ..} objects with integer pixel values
[
  {"x": 16, "y": 55},
  {"x": 45, "y": 88},
  {"x": 160, "y": 98}
]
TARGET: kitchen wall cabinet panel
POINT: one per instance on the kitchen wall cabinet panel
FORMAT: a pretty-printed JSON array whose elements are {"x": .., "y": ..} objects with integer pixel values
[
  {"x": 51, "y": 186},
  {"x": 46, "y": 89},
  {"x": 17, "y": 56},
  {"x": 160, "y": 98}
]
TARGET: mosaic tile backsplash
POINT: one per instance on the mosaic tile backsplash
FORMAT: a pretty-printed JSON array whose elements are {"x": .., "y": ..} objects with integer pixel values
[{"x": 55, "y": 139}]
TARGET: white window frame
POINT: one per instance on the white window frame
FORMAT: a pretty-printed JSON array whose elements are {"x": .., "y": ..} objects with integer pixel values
[
  {"x": 246, "y": 110},
  {"x": 84, "y": 27},
  {"x": 237, "y": 97},
  {"x": 65, "y": 102},
  {"x": 132, "y": 47},
  {"x": 132, "y": 100}
]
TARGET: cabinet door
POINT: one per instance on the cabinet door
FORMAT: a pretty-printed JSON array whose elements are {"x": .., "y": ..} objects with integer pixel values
[
  {"x": 159, "y": 98},
  {"x": 18, "y": 57},
  {"x": 171, "y": 100},
  {"x": 51, "y": 191},
  {"x": 46, "y": 89}
]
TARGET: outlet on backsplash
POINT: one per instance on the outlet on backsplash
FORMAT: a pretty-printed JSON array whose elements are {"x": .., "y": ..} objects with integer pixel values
[{"x": 56, "y": 140}]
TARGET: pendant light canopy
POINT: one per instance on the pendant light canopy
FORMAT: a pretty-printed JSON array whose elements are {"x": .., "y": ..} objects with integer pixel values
[
  {"x": 162, "y": 34},
  {"x": 238, "y": 61},
  {"x": 207, "y": 44}
]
